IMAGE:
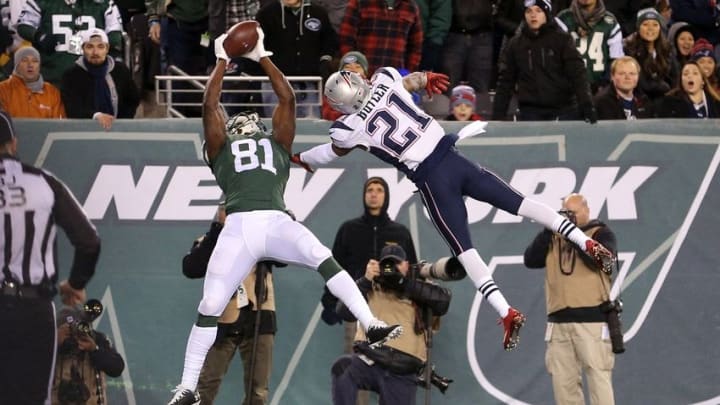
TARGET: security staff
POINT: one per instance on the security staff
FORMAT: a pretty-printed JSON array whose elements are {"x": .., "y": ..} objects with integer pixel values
[{"x": 32, "y": 203}]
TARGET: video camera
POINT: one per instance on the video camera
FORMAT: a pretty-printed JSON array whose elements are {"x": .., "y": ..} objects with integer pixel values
[
  {"x": 440, "y": 382},
  {"x": 81, "y": 323}
]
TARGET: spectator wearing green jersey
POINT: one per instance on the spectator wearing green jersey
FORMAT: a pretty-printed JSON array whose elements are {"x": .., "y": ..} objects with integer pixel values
[
  {"x": 597, "y": 36},
  {"x": 54, "y": 29}
]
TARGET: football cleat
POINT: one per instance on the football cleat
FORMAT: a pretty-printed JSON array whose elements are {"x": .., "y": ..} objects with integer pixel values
[
  {"x": 379, "y": 332},
  {"x": 603, "y": 257},
  {"x": 512, "y": 322},
  {"x": 184, "y": 396}
]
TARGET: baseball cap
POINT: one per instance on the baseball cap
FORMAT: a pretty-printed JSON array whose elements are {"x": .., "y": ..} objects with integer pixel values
[
  {"x": 95, "y": 32},
  {"x": 395, "y": 252},
  {"x": 7, "y": 131}
]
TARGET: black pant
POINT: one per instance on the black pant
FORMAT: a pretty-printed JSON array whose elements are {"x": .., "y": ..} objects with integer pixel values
[{"x": 27, "y": 347}]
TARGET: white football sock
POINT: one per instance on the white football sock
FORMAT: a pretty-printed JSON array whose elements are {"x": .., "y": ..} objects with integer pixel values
[
  {"x": 199, "y": 342},
  {"x": 344, "y": 288},
  {"x": 545, "y": 216},
  {"x": 482, "y": 278}
]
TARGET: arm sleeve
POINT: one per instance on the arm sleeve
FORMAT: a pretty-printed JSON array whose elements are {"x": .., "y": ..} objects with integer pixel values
[
  {"x": 409, "y": 248},
  {"x": 536, "y": 253},
  {"x": 433, "y": 296},
  {"x": 504, "y": 19},
  {"x": 575, "y": 70},
  {"x": 195, "y": 262},
  {"x": 506, "y": 82},
  {"x": 70, "y": 216},
  {"x": 106, "y": 358},
  {"x": 348, "y": 28},
  {"x": 438, "y": 24},
  {"x": 74, "y": 100},
  {"x": 154, "y": 8},
  {"x": 413, "y": 52}
]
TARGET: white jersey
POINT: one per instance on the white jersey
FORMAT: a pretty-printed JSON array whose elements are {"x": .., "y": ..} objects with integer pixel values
[{"x": 389, "y": 125}]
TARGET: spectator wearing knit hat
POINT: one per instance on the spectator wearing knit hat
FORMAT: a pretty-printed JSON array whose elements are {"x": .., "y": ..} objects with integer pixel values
[
  {"x": 693, "y": 97},
  {"x": 702, "y": 54},
  {"x": 542, "y": 62},
  {"x": 352, "y": 61},
  {"x": 650, "y": 48},
  {"x": 462, "y": 104},
  {"x": 682, "y": 38},
  {"x": 25, "y": 94}
]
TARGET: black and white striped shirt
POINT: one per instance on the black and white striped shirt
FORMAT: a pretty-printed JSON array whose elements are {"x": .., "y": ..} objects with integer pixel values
[{"x": 33, "y": 203}]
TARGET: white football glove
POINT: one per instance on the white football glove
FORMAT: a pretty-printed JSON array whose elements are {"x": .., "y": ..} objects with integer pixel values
[
  {"x": 220, "y": 49},
  {"x": 259, "y": 51}
]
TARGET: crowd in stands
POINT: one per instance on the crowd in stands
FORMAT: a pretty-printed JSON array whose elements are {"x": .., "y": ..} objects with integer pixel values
[{"x": 506, "y": 59}]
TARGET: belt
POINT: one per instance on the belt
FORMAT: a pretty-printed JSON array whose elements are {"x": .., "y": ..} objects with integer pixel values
[{"x": 21, "y": 291}]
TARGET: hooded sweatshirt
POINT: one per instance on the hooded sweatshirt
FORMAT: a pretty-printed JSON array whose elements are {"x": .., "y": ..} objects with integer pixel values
[{"x": 361, "y": 239}]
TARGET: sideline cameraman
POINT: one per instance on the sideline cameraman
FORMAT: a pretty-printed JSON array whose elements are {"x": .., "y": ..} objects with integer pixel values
[
  {"x": 84, "y": 357},
  {"x": 359, "y": 240},
  {"x": 577, "y": 295},
  {"x": 236, "y": 326},
  {"x": 397, "y": 295}
]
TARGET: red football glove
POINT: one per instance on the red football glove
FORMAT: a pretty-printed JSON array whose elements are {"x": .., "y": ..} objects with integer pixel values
[
  {"x": 437, "y": 83},
  {"x": 296, "y": 159}
]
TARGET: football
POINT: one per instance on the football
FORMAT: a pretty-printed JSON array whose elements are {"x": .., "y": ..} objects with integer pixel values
[{"x": 241, "y": 38}]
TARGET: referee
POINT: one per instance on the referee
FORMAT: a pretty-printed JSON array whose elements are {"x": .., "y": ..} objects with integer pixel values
[{"x": 32, "y": 203}]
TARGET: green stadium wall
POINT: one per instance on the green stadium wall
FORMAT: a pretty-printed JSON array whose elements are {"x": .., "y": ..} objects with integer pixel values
[{"x": 655, "y": 182}]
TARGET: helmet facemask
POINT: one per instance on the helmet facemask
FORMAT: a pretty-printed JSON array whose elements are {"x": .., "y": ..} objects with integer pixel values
[
  {"x": 245, "y": 123},
  {"x": 347, "y": 91}
]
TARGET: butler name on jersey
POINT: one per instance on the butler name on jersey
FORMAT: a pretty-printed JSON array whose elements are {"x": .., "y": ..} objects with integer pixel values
[{"x": 389, "y": 125}]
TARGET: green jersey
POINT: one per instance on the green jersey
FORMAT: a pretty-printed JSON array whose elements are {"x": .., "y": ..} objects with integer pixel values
[
  {"x": 64, "y": 22},
  {"x": 252, "y": 171},
  {"x": 599, "y": 47}
]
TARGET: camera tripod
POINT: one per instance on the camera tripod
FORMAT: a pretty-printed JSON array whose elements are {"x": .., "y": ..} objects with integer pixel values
[
  {"x": 261, "y": 271},
  {"x": 427, "y": 320}
]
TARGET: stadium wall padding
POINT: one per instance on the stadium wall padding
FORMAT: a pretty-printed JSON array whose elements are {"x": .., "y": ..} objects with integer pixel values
[{"x": 654, "y": 182}]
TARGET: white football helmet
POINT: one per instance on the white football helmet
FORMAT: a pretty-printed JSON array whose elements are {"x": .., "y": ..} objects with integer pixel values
[
  {"x": 347, "y": 91},
  {"x": 244, "y": 123}
]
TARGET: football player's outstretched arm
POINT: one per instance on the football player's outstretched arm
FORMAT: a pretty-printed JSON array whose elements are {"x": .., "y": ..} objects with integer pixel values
[
  {"x": 433, "y": 83},
  {"x": 213, "y": 116},
  {"x": 283, "y": 119}
]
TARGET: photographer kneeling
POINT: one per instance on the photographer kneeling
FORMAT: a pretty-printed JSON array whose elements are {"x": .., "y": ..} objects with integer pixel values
[
  {"x": 397, "y": 295},
  {"x": 84, "y": 357}
]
